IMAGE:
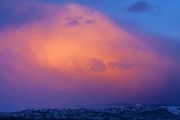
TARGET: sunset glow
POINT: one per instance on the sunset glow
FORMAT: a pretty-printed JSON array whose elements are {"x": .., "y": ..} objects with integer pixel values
[{"x": 75, "y": 50}]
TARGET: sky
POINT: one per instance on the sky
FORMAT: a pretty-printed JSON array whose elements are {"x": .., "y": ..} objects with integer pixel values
[{"x": 62, "y": 53}]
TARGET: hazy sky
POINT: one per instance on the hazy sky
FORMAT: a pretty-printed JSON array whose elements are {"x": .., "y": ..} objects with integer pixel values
[{"x": 56, "y": 53}]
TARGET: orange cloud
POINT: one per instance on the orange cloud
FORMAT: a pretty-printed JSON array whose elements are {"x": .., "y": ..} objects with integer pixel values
[{"x": 74, "y": 46}]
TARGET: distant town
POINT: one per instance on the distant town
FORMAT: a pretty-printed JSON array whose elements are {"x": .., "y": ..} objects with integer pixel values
[{"x": 129, "y": 112}]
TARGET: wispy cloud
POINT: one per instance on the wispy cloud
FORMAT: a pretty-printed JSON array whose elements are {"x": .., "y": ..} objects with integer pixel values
[{"x": 141, "y": 6}]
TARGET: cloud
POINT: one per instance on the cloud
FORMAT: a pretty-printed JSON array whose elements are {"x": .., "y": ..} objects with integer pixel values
[
  {"x": 77, "y": 20},
  {"x": 97, "y": 65},
  {"x": 141, "y": 6},
  {"x": 76, "y": 55},
  {"x": 123, "y": 65}
]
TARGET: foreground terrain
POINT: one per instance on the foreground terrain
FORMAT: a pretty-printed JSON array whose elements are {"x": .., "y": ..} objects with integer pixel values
[{"x": 128, "y": 112}]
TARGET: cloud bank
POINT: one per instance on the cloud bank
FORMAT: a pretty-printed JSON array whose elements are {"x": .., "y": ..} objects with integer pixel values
[{"x": 75, "y": 55}]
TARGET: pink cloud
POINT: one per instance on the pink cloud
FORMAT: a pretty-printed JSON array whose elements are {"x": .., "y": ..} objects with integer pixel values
[{"x": 54, "y": 56}]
